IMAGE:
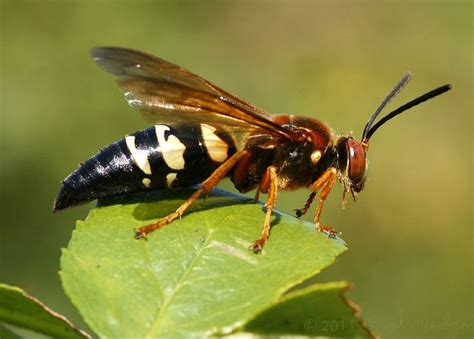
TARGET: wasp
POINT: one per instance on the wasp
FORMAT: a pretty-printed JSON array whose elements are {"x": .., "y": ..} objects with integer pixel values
[{"x": 202, "y": 134}]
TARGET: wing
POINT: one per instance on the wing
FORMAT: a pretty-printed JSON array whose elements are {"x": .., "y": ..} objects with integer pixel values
[{"x": 164, "y": 92}]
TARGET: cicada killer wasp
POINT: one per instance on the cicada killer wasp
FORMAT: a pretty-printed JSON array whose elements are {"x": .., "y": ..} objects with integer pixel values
[{"x": 202, "y": 134}]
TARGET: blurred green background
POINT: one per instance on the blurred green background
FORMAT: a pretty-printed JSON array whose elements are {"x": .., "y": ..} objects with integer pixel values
[{"x": 409, "y": 235}]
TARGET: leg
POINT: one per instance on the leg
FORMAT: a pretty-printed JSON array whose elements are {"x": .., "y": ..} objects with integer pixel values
[
  {"x": 257, "y": 194},
  {"x": 206, "y": 187},
  {"x": 324, "y": 183},
  {"x": 302, "y": 211},
  {"x": 268, "y": 184}
]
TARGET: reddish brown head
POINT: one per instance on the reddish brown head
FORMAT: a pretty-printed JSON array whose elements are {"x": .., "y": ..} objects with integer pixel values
[{"x": 352, "y": 160}]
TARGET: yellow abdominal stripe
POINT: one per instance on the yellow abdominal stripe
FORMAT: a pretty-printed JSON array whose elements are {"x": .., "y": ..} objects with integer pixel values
[
  {"x": 139, "y": 156},
  {"x": 216, "y": 147},
  {"x": 172, "y": 149}
]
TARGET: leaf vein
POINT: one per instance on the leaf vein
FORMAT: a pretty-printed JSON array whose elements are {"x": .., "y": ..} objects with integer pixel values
[{"x": 179, "y": 284}]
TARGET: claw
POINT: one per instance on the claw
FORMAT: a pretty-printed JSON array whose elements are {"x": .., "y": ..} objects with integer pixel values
[
  {"x": 256, "y": 247},
  {"x": 328, "y": 230},
  {"x": 140, "y": 235}
]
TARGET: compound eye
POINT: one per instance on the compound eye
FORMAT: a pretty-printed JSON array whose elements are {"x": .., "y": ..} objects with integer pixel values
[{"x": 357, "y": 162}]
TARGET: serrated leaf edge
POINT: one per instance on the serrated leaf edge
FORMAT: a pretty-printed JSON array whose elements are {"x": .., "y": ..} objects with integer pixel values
[{"x": 46, "y": 309}]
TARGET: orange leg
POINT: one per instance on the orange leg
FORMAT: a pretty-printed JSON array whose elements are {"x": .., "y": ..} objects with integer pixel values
[
  {"x": 324, "y": 183},
  {"x": 302, "y": 211},
  {"x": 268, "y": 184},
  {"x": 206, "y": 187}
]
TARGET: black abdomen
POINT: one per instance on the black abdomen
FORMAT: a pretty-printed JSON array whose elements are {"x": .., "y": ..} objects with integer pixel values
[{"x": 158, "y": 157}]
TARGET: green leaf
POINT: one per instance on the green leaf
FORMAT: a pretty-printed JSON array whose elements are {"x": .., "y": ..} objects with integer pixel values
[
  {"x": 194, "y": 276},
  {"x": 6, "y": 333},
  {"x": 20, "y": 309},
  {"x": 320, "y": 310}
]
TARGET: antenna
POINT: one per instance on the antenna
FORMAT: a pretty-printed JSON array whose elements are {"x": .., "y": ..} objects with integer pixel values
[
  {"x": 408, "y": 105},
  {"x": 402, "y": 83}
]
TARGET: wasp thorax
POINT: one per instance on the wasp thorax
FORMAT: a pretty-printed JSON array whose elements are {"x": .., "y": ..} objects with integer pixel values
[{"x": 352, "y": 162}]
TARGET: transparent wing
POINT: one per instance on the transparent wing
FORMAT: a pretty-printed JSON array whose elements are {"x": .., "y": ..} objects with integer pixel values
[{"x": 164, "y": 92}]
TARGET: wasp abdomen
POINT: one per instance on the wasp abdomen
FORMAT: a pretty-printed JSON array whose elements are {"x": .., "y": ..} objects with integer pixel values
[{"x": 158, "y": 157}]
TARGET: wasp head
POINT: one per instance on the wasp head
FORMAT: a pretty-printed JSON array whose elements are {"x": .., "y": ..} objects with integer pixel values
[
  {"x": 352, "y": 164},
  {"x": 352, "y": 159}
]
